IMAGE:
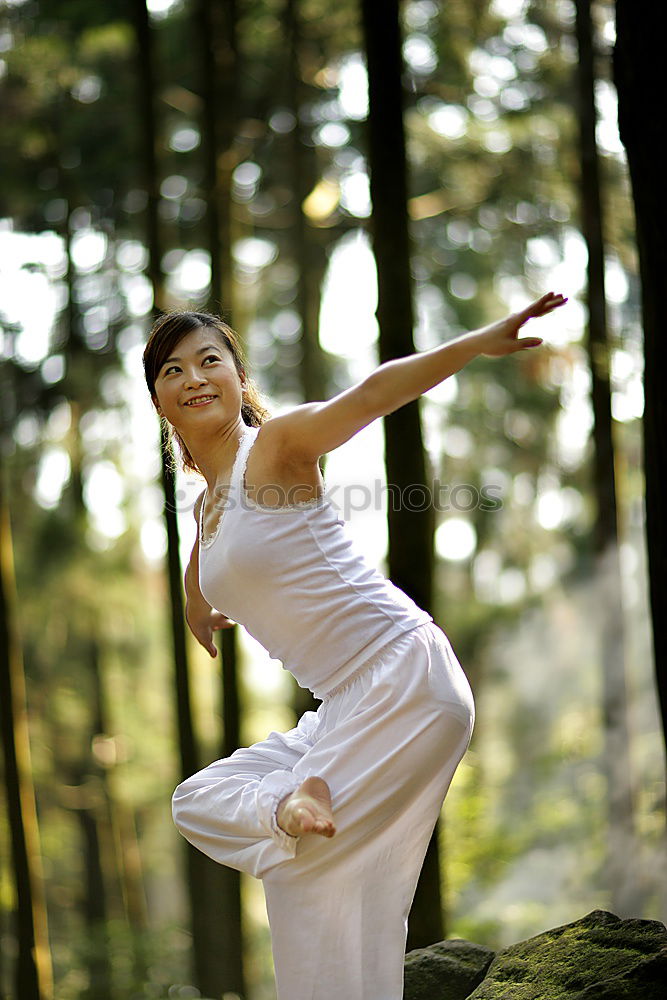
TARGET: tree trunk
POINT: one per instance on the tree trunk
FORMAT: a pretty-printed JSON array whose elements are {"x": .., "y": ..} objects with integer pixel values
[
  {"x": 202, "y": 916},
  {"x": 231, "y": 944},
  {"x": 148, "y": 151},
  {"x": 204, "y": 911},
  {"x": 33, "y": 977},
  {"x": 216, "y": 23},
  {"x": 638, "y": 73},
  {"x": 308, "y": 255},
  {"x": 121, "y": 854},
  {"x": 410, "y": 532},
  {"x": 621, "y": 847},
  {"x": 97, "y": 820},
  {"x": 307, "y": 252},
  {"x": 219, "y": 59},
  {"x": 114, "y": 887},
  {"x": 134, "y": 892},
  {"x": 94, "y": 901}
]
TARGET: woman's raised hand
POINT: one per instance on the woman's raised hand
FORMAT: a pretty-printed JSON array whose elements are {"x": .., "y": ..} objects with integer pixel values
[{"x": 503, "y": 337}]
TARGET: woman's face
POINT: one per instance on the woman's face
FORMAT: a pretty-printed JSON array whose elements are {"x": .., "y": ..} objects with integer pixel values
[{"x": 199, "y": 383}]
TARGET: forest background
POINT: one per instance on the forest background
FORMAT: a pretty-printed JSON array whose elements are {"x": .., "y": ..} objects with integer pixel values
[{"x": 216, "y": 155}]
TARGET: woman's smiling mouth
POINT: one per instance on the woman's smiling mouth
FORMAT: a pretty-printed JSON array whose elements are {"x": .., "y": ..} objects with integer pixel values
[{"x": 199, "y": 401}]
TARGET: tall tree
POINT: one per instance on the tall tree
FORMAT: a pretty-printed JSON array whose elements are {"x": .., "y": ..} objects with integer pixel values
[
  {"x": 218, "y": 49},
  {"x": 308, "y": 253},
  {"x": 410, "y": 532},
  {"x": 621, "y": 847},
  {"x": 203, "y": 909},
  {"x": 638, "y": 55},
  {"x": 219, "y": 86},
  {"x": 95, "y": 820},
  {"x": 33, "y": 975}
]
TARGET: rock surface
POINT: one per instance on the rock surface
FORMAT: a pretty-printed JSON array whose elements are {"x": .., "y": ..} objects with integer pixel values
[
  {"x": 647, "y": 980},
  {"x": 599, "y": 957},
  {"x": 449, "y": 970},
  {"x": 570, "y": 961}
]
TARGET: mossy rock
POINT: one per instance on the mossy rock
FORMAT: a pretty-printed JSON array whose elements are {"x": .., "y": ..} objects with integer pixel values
[
  {"x": 647, "y": 981},
  {"x": 599, "y": 957},
  {"x": 449, "y": 970}
]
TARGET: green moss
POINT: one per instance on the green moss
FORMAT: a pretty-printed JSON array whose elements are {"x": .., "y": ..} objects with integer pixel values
[{"x": 562, "y": 962}]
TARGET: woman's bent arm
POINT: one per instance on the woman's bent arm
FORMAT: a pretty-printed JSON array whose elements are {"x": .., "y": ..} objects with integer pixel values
[{"x": 202, "y": 619}]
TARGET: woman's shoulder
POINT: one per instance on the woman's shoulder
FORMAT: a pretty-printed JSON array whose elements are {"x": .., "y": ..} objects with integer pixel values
[
  {"x": 271, "y": 463},
  {"x": 273, "y": 441}
]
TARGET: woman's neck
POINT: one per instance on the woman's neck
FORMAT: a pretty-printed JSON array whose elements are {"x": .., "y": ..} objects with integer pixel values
[{"x": 214, "y": 453}]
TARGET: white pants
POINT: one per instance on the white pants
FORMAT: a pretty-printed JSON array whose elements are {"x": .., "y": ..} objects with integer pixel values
[{"x": 387, "y": 743}]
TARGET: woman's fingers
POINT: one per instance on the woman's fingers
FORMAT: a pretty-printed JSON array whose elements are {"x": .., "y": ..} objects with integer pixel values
[
  {"x": 218, "y": 621},
  {"x": 204, "y": 637},
  {"x": 203, "y": 630},
  {"x": 540, "y": 307},
  {"x": 554, "y": 301},
  {"x": 528, "y": 342},
  {"x": 546, "y": 303}
]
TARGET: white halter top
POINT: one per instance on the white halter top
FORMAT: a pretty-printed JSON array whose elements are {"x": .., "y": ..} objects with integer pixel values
[{"x": 292, "y": 577}]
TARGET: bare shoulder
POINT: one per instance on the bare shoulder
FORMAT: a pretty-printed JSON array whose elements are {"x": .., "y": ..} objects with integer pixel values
[
  {"x": 274, "y": 461},
  {"x": 311, "y": 430},
  {"x": 274, "y": 447}
]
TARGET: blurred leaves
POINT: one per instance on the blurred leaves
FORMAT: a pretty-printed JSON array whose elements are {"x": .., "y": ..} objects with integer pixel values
[{"x": 493, "y": 205}]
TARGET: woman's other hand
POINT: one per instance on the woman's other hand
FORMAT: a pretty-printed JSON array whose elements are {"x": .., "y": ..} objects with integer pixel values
[{"x": 204, "y": 623}]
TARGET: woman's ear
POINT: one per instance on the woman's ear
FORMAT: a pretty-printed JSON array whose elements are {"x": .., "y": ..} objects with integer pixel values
[{"x": 156, "y": 405}]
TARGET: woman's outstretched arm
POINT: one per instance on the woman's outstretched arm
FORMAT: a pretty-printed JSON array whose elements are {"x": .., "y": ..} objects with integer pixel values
[
  {"x": 314, "y": 429},
  {"x": 397, "y": 382}
]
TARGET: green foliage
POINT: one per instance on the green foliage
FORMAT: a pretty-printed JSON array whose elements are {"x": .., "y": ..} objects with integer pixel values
[{"x": 492, "y": 143}]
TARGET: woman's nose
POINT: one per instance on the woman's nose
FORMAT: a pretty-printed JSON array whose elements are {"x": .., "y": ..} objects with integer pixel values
[{"x": 194, "y": 378}]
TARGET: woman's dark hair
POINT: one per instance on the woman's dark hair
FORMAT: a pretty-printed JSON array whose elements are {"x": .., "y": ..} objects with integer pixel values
[{"x": 168, "y": 330}]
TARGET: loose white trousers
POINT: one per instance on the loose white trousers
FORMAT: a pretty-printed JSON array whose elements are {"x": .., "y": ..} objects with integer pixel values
[{"x": 387, "y": 743}]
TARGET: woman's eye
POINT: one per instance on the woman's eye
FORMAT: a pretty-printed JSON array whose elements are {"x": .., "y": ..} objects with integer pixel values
[{"x": 176, "y": 368}]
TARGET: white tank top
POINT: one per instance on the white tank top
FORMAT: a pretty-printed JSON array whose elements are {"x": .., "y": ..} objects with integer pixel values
[{"x": 292, "y": 577}]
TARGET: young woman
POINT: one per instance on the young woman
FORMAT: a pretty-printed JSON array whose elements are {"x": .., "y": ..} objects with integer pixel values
[{"x": 335, "y": 815}]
